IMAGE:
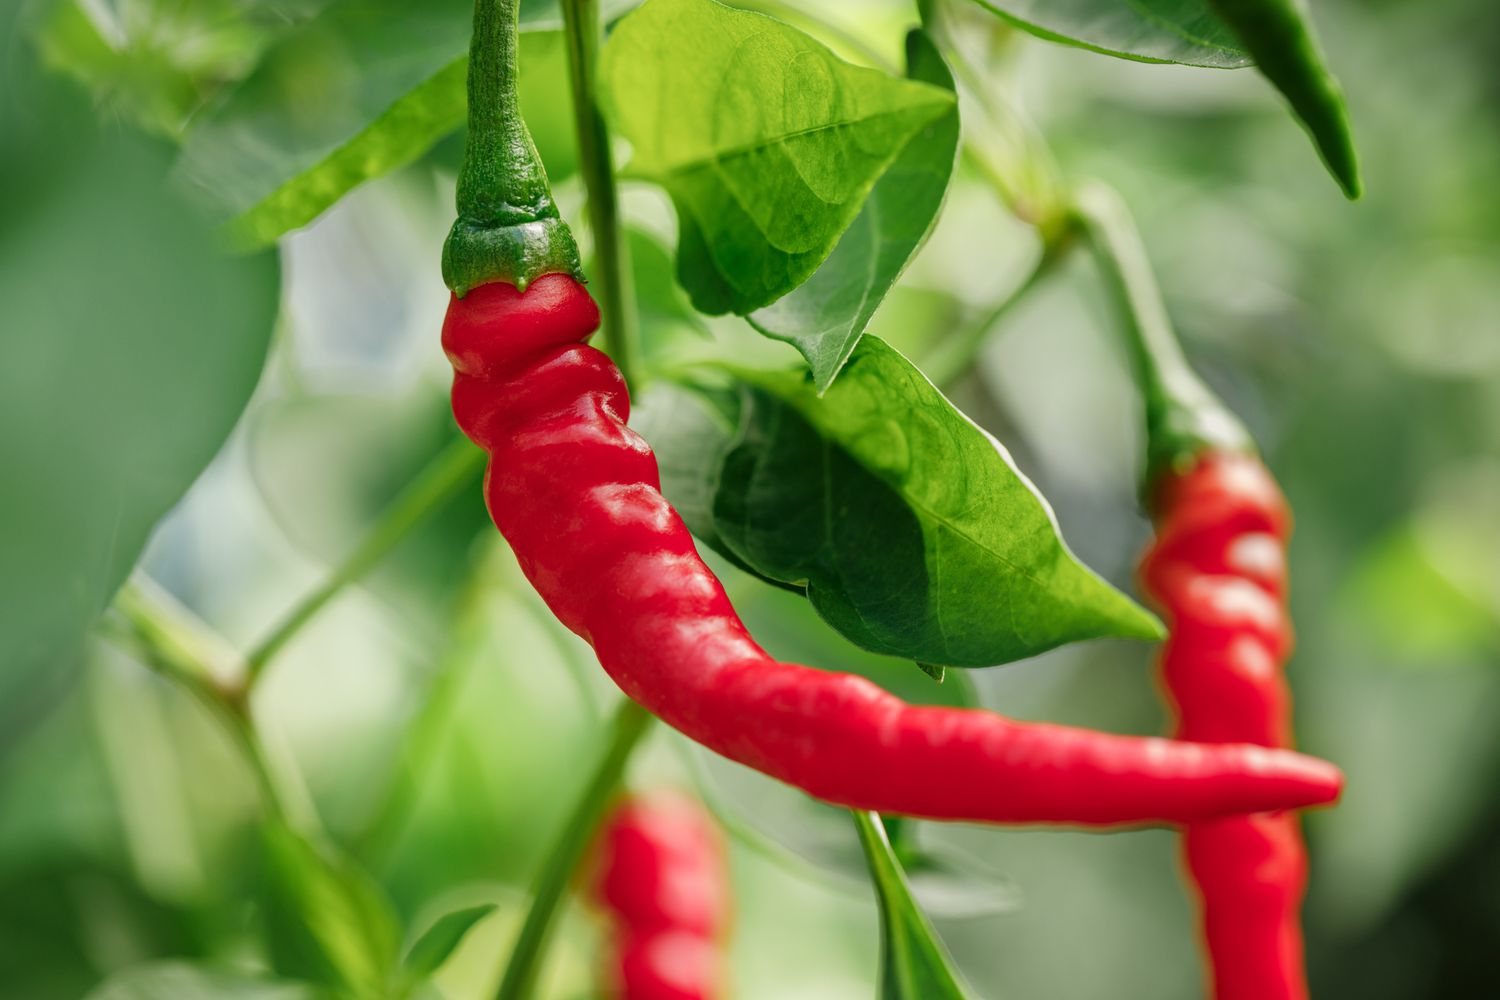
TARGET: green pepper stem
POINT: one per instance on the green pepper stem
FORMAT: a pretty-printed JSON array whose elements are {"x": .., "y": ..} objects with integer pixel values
[
  {"x": 508, "y": 228},
  {"x": 630, "y": 724},
  {"x": 583, "y": 31},
  {"x": 1183, "y": 416}
]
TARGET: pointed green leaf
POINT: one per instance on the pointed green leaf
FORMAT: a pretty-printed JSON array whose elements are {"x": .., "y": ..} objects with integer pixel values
[
  {"x": 913, "y": 963},
  {"x": 767, "y": 142},
  {"x": 1177, "y": 31},
  {"x": 431, "y": 950},
  {"x": 824, "y": 317},
  {"x": 910, "y": 529},
  {"x": 1279, "y": 34}
]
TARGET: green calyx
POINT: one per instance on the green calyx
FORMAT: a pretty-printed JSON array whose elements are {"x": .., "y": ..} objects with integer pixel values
[
  {"x": 1184, "y": 420},
  {"x": 508, "y": 228}
]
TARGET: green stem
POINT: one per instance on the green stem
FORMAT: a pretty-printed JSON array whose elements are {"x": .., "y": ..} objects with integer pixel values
[
  {"x": 508, "y": 228},
  {"x": 175, "y": 645},
  {"x": 630, "y": 723},
  {"x": 1183, "y": 417},
  {"x": 955, "y": 355},
  {"x": 912, "y": 955},
  {"x": 584, "y": 32},
  {"x": 441, "y": 480}
]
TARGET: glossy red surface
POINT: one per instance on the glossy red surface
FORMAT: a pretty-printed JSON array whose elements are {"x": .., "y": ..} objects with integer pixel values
[
  {"x": 1219, "y": 573},
  {"x": 576, "y": 493}
]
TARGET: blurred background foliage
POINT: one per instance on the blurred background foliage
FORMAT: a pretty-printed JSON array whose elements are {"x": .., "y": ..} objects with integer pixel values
[{"x": 440, "y": 721}]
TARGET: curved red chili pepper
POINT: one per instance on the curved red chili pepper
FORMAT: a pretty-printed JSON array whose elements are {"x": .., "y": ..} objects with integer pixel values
[
  {"x": 1218, "y": 570},
  {"x": 662, "y": 880},
  {"x": 577, "y": 495}
]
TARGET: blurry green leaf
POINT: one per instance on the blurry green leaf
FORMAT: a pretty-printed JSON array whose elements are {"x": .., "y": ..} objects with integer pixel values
[
  {"x": 185, "y": 981},
  {"x": 825, "y": 316},
  {"x": 1279, "y": 35},
  {"x": 766, "y": 141},
  {"x": 57, "y": 902},
  {"x": 910, "y": 529},
  {"x": 1179, "y": 31},
  {"x": 440, "y": 940},
  {"x": 326, "y": 920},
  {"x": 128, "y": 347},
  {"x": 913, "y": 963},
  {"x": 154, "y": 62},
  {"x": 367, "y": 86}
]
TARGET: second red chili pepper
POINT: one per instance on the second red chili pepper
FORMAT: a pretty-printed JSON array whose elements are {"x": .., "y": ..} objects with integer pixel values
[
  {"x": 1218, "y": 571},
  {"x": 662, "y": 882}
]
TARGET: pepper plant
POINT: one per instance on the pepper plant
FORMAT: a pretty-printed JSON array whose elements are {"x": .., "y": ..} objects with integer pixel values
[{"x": 803, "y": 168}]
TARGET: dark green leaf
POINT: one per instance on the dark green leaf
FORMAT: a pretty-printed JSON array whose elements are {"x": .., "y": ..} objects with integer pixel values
[
  {"x": 185, "y": 981},
  {"x": 1279, "y": 34},
  {"x": 913, "y": 962},
  {"x": 431, "y": 950},
  {"x": 364, "y": 88},
  {"x": 824, "y": 317},
  {"x": 326, "y": 919},
  {"x": 1179, "y": 31},
  {"x": 908, "y": 526},
  {"x": 767, "y": 142},
  {"x": 128, "y": 347}
]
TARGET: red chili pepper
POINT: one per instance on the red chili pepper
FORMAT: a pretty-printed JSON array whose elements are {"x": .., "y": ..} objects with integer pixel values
[
  {"x": 662, "y": 881},
  {"x": 1218, "y": 571},
  {"x": 577, "y": 495}
]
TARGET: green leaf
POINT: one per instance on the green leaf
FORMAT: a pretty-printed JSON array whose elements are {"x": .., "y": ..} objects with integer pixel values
[
  {"x": 186, "y": 981},
  {"x": 1279, "y": 34},
  {"x": 1176, "y": 31},
  {"x": 913, "y": 962},
  {"x": 128, "y": 347},
  {"x": 824, "y": 317},
  {"x": 909, "y": 528},
  {"x": 364, "y": 88},
  {"x": 767, "y": 142},
  {"x": 327, "y": 921},
  {"x": 431, "y": 950},
  {"x": 156, "y": 64}
]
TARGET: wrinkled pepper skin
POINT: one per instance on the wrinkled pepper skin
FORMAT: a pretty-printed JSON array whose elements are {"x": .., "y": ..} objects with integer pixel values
[
  {"x": 576, "y": 493},
  {"x": 1218, "y": 572},
  {"x": 662, "y": 882}
]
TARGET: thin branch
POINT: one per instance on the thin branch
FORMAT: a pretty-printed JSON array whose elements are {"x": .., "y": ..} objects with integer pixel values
[
  {"x": 439, "y": 482},
  {"x": 583, "y": 32}
]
